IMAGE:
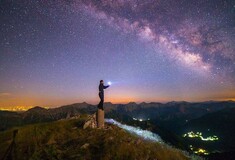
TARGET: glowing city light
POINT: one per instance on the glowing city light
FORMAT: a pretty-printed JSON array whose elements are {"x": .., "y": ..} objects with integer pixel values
[
  {"x": 17, "y": 108},
  {"x": 140, "y": 119},
  {"x": 199, "y": 151},
  {"x": 199, "y": 135},
  {"x": 148, "y": 135}
]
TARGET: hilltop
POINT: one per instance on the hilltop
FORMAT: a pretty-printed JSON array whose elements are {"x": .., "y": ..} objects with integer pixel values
[
  {"x": 66, "y": 139},
  {"x": 170, "y": 121}
]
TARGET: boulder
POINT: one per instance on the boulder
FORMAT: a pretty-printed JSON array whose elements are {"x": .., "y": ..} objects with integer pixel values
[{"x": 91, "y": 122}]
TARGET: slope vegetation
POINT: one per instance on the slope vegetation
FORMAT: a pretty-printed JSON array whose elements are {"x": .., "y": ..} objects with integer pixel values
[{"x": 66, "y": 139}]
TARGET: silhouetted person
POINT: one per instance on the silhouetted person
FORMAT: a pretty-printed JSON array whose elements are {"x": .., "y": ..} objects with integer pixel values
[
  {"x": 101, "y": 94},
  {"x": 100, "y": 112}
]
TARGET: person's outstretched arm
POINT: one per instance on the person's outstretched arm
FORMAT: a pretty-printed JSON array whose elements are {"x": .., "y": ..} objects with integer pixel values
[{"x": 105, "y": 86}]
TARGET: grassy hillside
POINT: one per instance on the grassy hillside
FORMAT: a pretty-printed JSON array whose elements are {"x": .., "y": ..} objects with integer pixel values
[{"x": 66, "y": 139}]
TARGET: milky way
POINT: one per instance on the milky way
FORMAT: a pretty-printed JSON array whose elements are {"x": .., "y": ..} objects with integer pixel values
[{"x": 55, "y": 52}]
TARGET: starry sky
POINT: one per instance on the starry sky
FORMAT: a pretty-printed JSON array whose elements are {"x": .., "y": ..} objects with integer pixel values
[{"x": 55, "y": 52}]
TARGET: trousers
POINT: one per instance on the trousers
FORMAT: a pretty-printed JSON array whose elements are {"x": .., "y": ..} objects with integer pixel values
[{"x": 101, "y": 104}]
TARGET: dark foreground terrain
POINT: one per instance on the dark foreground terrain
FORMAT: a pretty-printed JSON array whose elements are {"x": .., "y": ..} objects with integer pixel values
[
  {"x": 66, "y": 139},
  {"x": 170, "y": 120}
]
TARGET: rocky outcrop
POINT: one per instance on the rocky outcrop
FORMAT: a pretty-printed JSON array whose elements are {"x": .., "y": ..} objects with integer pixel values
[
  {"x": 95, "y": 120},
  {"x": 85, "y": 146},
  {"x": 91, "y": 122}
]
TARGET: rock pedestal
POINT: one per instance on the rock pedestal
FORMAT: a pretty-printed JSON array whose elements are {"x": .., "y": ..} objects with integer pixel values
[{"x": 100, "y": 118}]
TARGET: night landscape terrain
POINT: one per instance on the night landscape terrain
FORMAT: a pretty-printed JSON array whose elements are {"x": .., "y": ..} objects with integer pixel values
[
  {"x": 170, "y": 121},
  {"x": 164, "y": 70}
]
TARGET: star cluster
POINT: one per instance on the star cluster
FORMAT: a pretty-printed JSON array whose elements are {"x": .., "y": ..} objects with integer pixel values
[{"x": 55, "y": 52}]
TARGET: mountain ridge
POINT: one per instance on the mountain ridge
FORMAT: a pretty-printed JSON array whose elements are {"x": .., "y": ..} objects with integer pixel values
[{"x": 150, "y": 110}]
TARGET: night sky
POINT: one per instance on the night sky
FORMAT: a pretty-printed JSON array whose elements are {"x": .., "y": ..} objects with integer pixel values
[{"x": 54, "y": 52}]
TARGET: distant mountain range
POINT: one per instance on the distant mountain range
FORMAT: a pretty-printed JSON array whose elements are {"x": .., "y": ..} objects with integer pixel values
[
  {"x": 171, "y": 115},
  {"x": 180, "y": 111},
  {"x": 39, "y": 114},
  {"x": 170, "y": 120}
]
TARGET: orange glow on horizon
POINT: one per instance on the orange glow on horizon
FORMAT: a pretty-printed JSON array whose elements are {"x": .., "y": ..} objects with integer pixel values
[
  {"x": 18, "y": 108},
  {"x": 21, "y": 103}
]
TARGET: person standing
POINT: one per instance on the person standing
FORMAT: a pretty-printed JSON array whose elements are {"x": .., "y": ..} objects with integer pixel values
[{"x": 100, "y": 112}]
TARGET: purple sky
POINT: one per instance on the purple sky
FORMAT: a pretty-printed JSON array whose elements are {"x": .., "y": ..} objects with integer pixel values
[{"x": 55, "y": 52}]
